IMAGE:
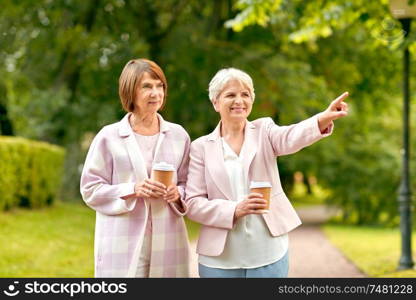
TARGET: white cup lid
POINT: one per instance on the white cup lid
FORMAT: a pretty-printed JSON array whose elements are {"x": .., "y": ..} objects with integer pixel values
[
  {"x": 260, "y": 184},
  {"x": 163, "y": 166}
]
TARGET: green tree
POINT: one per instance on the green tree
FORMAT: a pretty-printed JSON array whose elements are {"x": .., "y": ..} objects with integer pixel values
[
  {"x": 354, "y": 46},
  {"x": 61, "y": 60}
]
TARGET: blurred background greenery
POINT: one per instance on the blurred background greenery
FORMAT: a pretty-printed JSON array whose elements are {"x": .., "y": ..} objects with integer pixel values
[{"x": 60, "y": 62}]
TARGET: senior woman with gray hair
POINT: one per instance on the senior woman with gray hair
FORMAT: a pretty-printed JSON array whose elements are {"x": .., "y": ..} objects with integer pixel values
[{"x": 237, "y": 237}]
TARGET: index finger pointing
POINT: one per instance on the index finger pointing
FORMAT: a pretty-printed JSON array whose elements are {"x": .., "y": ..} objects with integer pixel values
[{"x": 341, "y": 98}]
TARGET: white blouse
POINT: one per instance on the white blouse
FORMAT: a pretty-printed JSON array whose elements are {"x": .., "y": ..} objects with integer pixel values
[{"x": 249, "y": 244}]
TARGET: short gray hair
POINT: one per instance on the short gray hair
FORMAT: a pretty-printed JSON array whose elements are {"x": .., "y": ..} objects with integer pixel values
[{"x": 223, "y": 76}]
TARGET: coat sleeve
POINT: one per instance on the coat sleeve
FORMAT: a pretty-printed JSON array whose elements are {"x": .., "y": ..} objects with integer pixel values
[
  {"x": 210, "y": 212},
  {"x": 182, "y": 178},
  {"x": 290, "y": 139},
  {"x": 96, "y": 187}
]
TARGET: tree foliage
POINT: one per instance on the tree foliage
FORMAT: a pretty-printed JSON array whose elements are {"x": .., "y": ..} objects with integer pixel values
[
  {"x": 354, "y": 46},
  {"x": 61, "y": 61}
]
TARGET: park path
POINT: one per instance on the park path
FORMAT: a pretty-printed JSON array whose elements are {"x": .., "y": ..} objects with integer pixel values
[{"x": 310, "y": 252}]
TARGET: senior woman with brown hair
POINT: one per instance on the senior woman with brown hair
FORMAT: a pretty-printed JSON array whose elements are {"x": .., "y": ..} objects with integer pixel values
[
  {"x": 237, "y": 237},
  {"x": 140, "y": 231}
]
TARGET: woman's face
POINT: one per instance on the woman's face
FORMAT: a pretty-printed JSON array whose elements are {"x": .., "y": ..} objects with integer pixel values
[
  {"x": 149, "y": 94},
  {"x": 234, "y": 103}
]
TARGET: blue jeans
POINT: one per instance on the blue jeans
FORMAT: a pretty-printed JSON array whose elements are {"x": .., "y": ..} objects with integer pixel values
[{"x": 278, "y": 269}]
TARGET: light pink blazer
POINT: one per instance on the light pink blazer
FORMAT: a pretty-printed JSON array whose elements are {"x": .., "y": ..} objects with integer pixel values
[
  {"x": 208, "y": 190},
  {"x": 113, "y": 165}
]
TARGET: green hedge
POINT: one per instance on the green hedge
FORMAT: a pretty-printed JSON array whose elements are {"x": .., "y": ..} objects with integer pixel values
[{"x": 30, "y": 172}]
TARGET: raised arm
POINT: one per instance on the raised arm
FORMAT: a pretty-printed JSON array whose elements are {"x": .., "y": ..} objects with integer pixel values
[{"x": 290, "y": 139}]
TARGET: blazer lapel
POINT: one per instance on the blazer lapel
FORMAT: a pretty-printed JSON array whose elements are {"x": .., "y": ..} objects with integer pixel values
[
  {"x": 215, "y": 163},
  {"x": 249, "y": 147},
  {"x": 164, "y": 127}
]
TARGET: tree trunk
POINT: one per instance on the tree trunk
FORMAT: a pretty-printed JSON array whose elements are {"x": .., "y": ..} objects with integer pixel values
[
  {"x": 6, "y": 126},
  {"x": 307, "y": 184},
  {"x": 69, "y": 73}
]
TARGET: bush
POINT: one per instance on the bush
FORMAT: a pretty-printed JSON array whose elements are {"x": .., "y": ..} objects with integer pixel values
[{"x": 30, "y": 172}]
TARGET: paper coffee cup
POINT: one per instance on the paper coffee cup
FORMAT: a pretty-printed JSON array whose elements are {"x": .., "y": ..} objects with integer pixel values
[
  {"x": 264, "y": 188},
  {"x": 163, "y": 173}
]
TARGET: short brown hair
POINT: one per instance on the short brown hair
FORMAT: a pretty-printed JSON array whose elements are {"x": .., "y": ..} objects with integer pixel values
[{"x": 131, "y": 76}]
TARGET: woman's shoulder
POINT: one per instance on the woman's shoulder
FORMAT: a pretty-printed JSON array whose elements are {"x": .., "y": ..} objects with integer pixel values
[
  {"x": 104, "y": 136},
  {"x": 176, "y": 126},
  {"x": 262, "y": 121},
  {"x": 177, "y": 130},
  {"x": 199, "y": 142},
  {"x": 108, "y": 131}
]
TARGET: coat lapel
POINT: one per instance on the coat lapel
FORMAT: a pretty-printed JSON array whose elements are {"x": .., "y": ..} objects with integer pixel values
[
  {"x": 140, "y": 173},
  {"x": 158, "y": 212},
  {"x": 133, "y": 148},
  {"x": 164, "y": 127}
]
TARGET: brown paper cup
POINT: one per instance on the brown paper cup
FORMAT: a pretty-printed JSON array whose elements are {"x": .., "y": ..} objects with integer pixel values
[
  {"x": 263, "y": 188},
  {"x": 165, "y": 177},
  {"x": 163, "y": 172}
]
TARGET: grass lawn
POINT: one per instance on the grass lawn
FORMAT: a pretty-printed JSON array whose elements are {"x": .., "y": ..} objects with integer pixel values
[
  {"x": 51, "y": 242},
  {"x": 193, "y": 229},
  {"x": 374, "y": 250},
  {"x": 58, "y": 242}
]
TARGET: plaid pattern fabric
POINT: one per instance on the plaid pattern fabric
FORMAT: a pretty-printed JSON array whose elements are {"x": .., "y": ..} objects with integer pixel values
[{"x": 113, "y": 165}]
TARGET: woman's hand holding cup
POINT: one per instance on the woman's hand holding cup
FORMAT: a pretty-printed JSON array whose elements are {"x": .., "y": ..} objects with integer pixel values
[
  {"x": 163, "y": 172},
  {"x": 149, "y": 188},
  {"x": 172, "y": 194},
  {"x": 253, "y": 204}
]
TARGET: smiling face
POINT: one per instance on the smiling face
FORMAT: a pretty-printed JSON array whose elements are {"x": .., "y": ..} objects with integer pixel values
[
  {"x": 149, "y": 94},
  {"x": 234, "y": 103}
]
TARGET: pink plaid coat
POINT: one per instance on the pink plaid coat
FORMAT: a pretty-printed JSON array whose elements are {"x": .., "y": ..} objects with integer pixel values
[
  {"x": 113, "y": 165},
  {"x": 208, "y": 190}
]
